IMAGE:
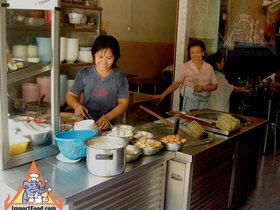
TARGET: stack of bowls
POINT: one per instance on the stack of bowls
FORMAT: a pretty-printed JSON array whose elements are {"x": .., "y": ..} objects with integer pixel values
[
  {"x": 72, "y": 50},
  {"x": 32, "y": 53},
  {"x": 63, "y": 48},
  {"x": 44, "y": 49},
  {"x": 19, "y": 52},
  {"x": 85, "y": 55},
  {"x": 30, "y": 92}
]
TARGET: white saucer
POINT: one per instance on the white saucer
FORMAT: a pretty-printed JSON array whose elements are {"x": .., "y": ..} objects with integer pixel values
[{"x": 64, "y": 159}]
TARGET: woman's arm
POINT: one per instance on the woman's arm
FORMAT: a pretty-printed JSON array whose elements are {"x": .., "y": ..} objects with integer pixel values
[
  {"x": 73, "y": 101},
  {"x": 169, "y": 90},
  {"x": 103, "y": 122},
  {"x": 239, "y": 89}
]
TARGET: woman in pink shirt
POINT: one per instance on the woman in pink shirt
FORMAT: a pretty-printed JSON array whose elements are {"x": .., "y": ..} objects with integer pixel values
[{"x": 195, "y": 78}]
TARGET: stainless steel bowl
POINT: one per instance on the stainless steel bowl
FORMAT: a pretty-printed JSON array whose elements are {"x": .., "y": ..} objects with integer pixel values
[
  {"x": 173, "y": 147},
  {"x": 132, "y": 153},
  {"x": 150, "y": 151},
  {"x": 38, "y": 139}
]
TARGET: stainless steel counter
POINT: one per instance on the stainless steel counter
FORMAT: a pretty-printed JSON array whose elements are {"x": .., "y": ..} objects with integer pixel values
[{"x": 71, "y": 181}]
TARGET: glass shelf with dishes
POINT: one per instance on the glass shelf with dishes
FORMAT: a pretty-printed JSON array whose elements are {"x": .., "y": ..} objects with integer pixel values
[
  {"x": 80, "y": 27},
  {"x": 29, "y": 83}
]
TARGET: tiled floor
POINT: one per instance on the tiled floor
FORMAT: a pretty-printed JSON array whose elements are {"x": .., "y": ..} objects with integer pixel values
[{"x": 266, "y": 196}]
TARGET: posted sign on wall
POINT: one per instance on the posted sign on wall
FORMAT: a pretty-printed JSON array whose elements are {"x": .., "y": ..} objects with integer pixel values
[{"x": 33, "y": 4}]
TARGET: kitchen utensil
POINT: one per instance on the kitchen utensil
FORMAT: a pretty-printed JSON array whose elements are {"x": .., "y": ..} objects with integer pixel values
[
  {"x": 151, "y": 151},
  {"x": 173, "y": 147},
  {"x": 87, "y": 125},
  {"x": 105, "y": 155},
  {"x": 139, "y": 134},
  {"x": 39, "y": 139},
  {"x": 158, "y": 116},
  {"x": 123, "y": 131},
  {"x": 71, "y": 143},
  {"x": 84, "y": 125},
  {"x": 176, "y": 127},
  {"x": 64, "y": 159},
  {"x": 132, "y": 153},
  {"x": 18, "y": 144}
]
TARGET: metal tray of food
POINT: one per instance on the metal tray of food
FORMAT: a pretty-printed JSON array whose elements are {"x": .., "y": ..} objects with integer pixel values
[
  {"x": 213, "y": 116},
  {"x": 207, "y": 119}
]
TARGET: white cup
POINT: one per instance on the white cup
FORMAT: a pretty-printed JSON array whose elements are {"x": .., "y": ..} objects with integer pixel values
[
  {"x": 20, "y": 51},
  {"x": 72, "y": 50},
  {"x": 32, "y": 51}
]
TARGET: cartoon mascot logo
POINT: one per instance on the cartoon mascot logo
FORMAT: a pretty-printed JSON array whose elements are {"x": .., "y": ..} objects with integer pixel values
[{"x": 34, "y": 192}]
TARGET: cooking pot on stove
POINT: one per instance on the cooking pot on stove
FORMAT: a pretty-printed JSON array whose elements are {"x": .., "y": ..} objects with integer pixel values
[{"x": 105, "y": 155}]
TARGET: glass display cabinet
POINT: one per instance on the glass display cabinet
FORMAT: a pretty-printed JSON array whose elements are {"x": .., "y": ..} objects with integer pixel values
[{"x": 29, "y": 80}]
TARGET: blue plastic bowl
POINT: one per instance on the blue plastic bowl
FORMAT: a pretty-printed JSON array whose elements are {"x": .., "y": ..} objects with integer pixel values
[{"x": 71, "y": 143}]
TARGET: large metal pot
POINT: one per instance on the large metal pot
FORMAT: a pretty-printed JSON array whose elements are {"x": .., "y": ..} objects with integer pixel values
[{"x": 106, "y": 155}]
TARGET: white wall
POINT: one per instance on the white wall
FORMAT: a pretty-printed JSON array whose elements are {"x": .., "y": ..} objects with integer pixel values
[{"x": 151, "y": 20}]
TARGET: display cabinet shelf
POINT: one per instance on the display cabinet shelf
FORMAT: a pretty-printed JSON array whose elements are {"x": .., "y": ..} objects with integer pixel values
[
  {"x": 78, "y": 28},
  {"x": 33, "y": 70},
  {"x": 80, "y": 6},
  {"x": 27, "y": 27},
  {"x": 65, "y": 65}
]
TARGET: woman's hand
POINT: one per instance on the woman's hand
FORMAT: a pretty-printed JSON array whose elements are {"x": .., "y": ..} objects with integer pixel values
[
  {"x": 80, "y": 110},
  {"x": 103, "y": 123},
  {"x": 198, "y": 88},
  {"x": 158, "y": 98}
]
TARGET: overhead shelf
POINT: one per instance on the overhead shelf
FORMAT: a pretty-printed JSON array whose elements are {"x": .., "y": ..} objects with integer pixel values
[{"x": 80, "y": 6}]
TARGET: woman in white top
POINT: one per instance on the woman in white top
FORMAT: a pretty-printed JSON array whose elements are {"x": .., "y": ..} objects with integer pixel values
[{"x": 219, "y": 98}]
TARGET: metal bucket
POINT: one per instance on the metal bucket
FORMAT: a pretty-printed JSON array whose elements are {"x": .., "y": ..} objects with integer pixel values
[{"x": 106, "y": 155}]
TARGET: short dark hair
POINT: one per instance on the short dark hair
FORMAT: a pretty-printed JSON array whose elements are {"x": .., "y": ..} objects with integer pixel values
[
  {"x": 215, "y": 58},
  {"x": 196, "y": 42},
  {"x": 107, "y": 42}
]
